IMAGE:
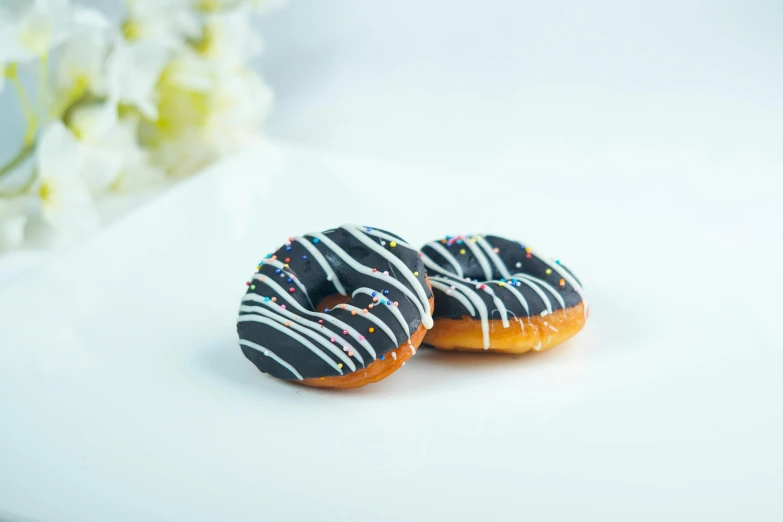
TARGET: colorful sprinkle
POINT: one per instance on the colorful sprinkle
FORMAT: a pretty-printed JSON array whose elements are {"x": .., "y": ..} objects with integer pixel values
[
  {"x": 415, "y": 274},
  {"x": 371, "y": 330},
  {"x": 496, "y": 250},
  {"x": 388, "y": 303},
  {"x": 548, "y": 271},
  {"x": 345, "y": 332},
  {"x": 288, "y": 248},
  {"x": 353, "y": 312},
  {"x": 248, "y": 283},
  {"x": 385, "y": 292},
  {"x": 333, "y": 339},
  {"x": 287, "y": 259},
  {"x": 395, "y": 303},
  {"x": 361, "y": 338},
  {"x": 340, "y": 365},
  {"x": 304, "y": 257},
  {"x": 462, "y": 251},
  {"x": 393, "y": 244},
  {"x": 364, "y": 310},
  {"x": 562, "y": 282},
  {"x": 274, "y": 299},
  {"x": 252, "y": 287},
  {"x": 292, "y": 289},
  {"x": 316, "y": 240}
]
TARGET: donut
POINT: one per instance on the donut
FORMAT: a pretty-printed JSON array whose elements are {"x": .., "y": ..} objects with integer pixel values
[
  {"x": 497, "y": 295},
  {"x": 336, "y": 309}
]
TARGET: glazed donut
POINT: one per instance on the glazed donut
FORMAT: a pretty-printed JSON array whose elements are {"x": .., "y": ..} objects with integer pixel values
[
  {"x": 336, "y": 309},
  {"x": 495, "y": 294}
]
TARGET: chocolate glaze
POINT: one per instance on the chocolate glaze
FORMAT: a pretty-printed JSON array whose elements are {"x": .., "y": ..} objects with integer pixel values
[
  {"x": 554, "y": 290},
  {"x": 283, "y": 336}
]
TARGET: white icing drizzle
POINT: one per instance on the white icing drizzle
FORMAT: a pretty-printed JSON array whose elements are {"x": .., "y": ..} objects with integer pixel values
[
  {"x": 443, "y": 251},
  {"x": 499, "y": 264},
  {"x": 499, "y": 304},
  {"x": 424, "y": 311},
  {"x": 271, "y": 355},
  {"x": 538, "y": 291},
  {"x": 417, "y": 285},
  {"x": 271, "y": 313},
  {"x": 471, "y": 294},
  {"x": 431, "y": 265},
  {"x": 326, "y": 317},
  {"x": 510, "y": 287},
  {"x": 571, "y": 280},
  {"x": 370, "y": 317},
  {"x": 456, "y": 295},
  {"x": 546, "y": 285},
  {"x": 480, "y": 257},
  {"x": 307, "y": 344},
  {"x": 324, "y": 264},
  {"x": 282, "y": 266},
  {"x": 393, "y": 309},
  {"x": 387, "y": 237}
]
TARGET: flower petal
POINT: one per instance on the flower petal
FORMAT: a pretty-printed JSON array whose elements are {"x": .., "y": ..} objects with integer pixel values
[{"x": 59, "y": 154}]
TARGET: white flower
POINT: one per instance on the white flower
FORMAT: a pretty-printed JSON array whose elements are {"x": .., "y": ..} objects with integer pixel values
[
  {"x": 240, "y": 104},
  {"x": 31, "y": 29},
  {"x": 259, "y": 6},
  {"x": 61, "y": 206},
  {"x": 169, "y": 22},
  {"x": 229, "y": 39},
  {"x": 204, "y": 125},
  {"x": 133, "y": 70},
  {"x": 81, "y": 65},
  {"x": 12, "y": 222},
  {"x": 113, "y": 157}
]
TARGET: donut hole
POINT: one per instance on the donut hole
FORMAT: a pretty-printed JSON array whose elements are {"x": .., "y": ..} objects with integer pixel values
[{"x": 332, "y": 301}]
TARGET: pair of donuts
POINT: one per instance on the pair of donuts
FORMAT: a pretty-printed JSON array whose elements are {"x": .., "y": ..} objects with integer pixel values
[{"x": 349, "y": 306}]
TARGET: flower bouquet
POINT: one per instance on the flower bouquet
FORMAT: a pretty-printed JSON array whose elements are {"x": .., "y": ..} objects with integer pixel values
[{"x": 119, "y": 107}]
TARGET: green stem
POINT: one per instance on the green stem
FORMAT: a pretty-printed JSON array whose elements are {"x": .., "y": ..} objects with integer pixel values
[
  {"x": 28, "y": 146},
  {"x": 27, "y": 106},
  {"x": 43, "y": 78},
  {"x": 22, "y": 156}
]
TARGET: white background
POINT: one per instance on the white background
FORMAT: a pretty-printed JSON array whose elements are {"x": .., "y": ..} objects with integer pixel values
[{"x": 640, "y": 143}]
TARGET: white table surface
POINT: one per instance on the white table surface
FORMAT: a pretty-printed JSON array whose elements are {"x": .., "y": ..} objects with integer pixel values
[{"x": 124, "y": 396}]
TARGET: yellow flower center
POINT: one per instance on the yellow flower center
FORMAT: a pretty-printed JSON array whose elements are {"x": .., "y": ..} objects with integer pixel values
[
  {"x": 46, "y": 192},
  {"x": 131, "y": 29}
]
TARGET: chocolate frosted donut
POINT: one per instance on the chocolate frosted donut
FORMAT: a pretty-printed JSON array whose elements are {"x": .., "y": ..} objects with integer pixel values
[
  {"x": 340, "y": 308},
  {"x": 496, "y": 294}
]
